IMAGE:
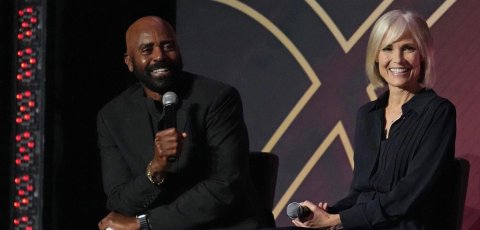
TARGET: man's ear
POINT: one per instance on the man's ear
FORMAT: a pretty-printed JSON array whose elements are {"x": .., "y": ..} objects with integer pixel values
[{"x": 128, "y": 62}]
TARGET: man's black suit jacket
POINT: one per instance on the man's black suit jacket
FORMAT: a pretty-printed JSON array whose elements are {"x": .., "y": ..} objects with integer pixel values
[{"x": 208, "y": 187}]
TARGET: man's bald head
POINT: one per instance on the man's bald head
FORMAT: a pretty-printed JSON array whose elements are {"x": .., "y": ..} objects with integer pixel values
[{"x": 145, "y": 24}]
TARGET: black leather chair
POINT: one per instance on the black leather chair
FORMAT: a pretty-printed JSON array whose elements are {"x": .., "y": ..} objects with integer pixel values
[
  {"x": 447, "y": 202},
  {"x": 461, "y": 168},
  {"x": 263, "y": 170}
]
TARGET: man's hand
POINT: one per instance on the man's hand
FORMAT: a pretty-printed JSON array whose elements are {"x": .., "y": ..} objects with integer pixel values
[
  {"x": 167, "y": 146},
  {"x": 118, "y": 221}
]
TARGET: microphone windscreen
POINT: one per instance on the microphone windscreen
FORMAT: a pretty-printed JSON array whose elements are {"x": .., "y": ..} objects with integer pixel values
[
  {"x": 169, "y": 98},
  {"x": 295, "y": 210}
]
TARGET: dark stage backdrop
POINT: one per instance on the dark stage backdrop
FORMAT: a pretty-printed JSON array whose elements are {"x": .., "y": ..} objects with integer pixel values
[
  {"x": 85, "y": 70},
  {"x": 6, "y": 41},
  {"x": 299, "y": 68}
]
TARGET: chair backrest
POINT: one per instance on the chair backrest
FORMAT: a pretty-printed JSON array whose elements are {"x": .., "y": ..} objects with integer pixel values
[
  {"x": 461, "y": 170},
  {"x": 263, "y": 170},
  {"x": 448, "y": 199}
]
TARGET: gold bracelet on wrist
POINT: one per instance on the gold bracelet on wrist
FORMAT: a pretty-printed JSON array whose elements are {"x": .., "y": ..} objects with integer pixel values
[{"x": 151, "y": 178}]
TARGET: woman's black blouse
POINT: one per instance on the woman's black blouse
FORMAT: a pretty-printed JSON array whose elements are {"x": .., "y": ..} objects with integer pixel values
[{"x": 393, "y": 177}]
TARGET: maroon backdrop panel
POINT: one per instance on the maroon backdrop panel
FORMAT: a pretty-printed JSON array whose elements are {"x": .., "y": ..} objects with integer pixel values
[
  {"x": 302, "y": 84},
  {"x": 458, "y": 65}
]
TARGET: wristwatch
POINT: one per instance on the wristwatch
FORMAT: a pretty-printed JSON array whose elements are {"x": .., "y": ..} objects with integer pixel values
[{"x": 143, "y": 220}]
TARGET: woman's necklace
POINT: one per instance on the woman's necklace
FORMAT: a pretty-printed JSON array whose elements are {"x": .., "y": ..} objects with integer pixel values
[
  {"x": 396, "y": 116},
  {"x": 393, "y": 114},
  {"x": 391, "y": 117}
]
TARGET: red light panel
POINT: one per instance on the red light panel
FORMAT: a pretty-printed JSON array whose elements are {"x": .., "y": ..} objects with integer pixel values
[{"x": 29, "y": 78}]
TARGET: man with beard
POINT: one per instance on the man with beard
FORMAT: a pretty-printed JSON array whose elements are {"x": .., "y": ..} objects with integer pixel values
[{"x": 194, "y": 176}]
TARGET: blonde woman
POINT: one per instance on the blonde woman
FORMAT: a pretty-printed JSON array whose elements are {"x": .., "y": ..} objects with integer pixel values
[{"x": 404, "y": 140}]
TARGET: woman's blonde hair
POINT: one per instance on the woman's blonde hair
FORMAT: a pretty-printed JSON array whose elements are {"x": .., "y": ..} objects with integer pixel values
[{"x": 389, "y": 28}]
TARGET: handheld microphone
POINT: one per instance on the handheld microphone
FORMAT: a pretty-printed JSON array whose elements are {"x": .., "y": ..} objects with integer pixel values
[
  {"x": 169, "y": 100},
  {"x": 295, "y": 210}
]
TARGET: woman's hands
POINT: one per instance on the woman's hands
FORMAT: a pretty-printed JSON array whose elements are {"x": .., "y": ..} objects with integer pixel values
[{"x": 319, "y": 218}]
